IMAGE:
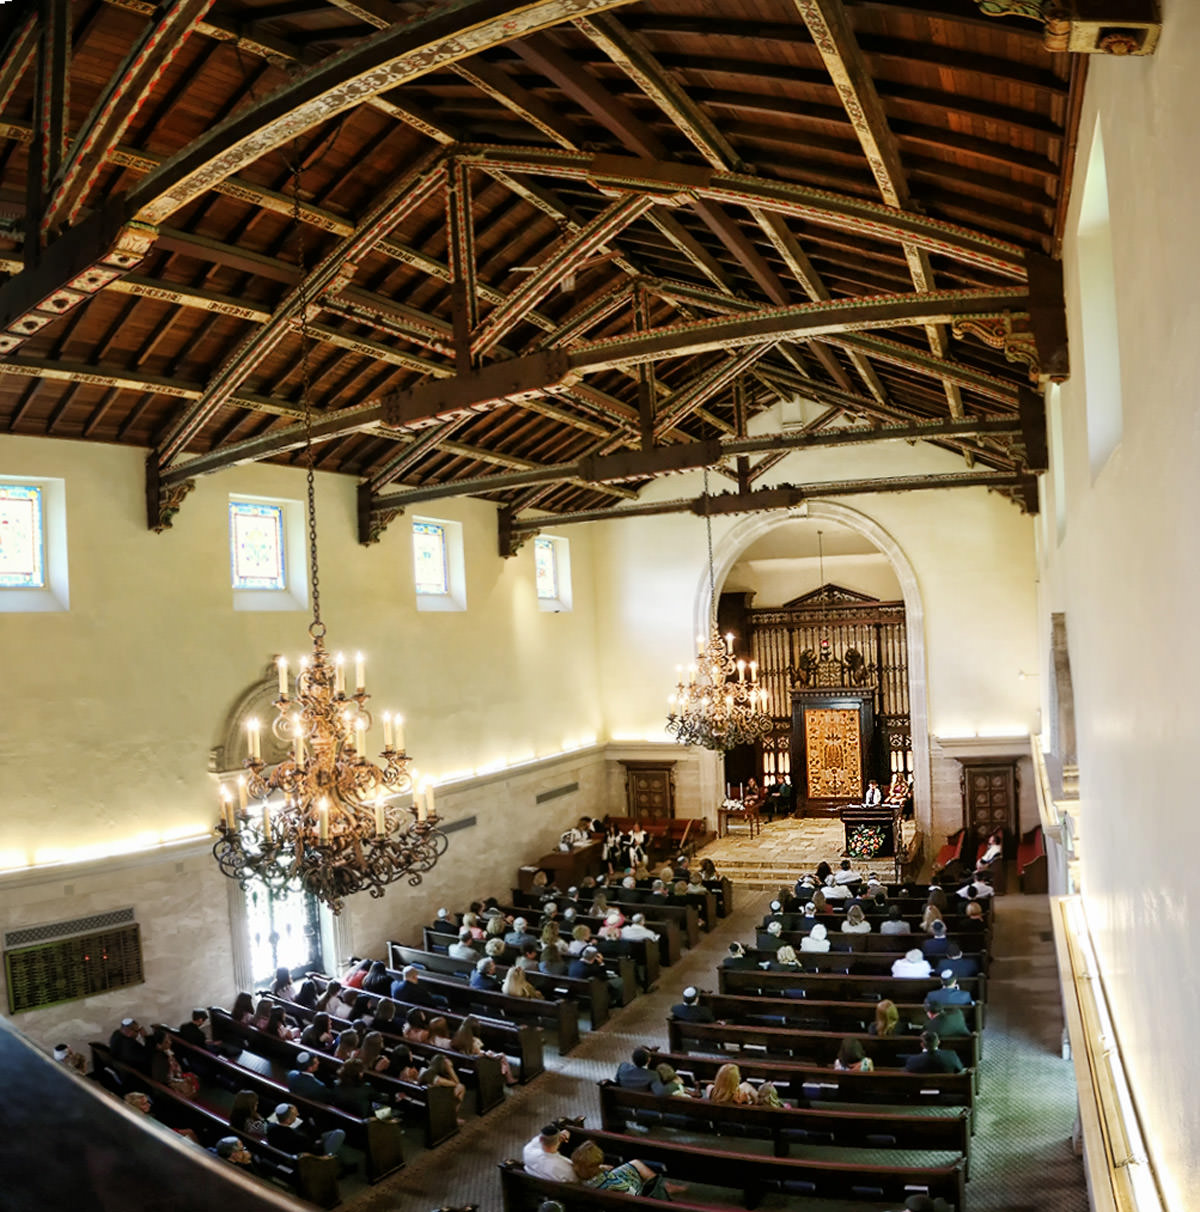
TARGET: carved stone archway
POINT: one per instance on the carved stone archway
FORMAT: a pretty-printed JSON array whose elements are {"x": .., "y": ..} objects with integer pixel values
[{"x": 729, "y": 546}]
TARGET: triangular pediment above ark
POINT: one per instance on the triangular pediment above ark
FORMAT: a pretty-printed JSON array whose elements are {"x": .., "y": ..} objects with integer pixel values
[{"x": 831, "y": 595}]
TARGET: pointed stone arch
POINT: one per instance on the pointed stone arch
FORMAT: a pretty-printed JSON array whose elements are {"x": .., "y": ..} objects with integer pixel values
[{"x": 730, "y": 544}]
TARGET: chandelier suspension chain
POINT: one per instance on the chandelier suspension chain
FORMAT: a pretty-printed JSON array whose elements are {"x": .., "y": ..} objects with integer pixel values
[{"x": 306, "y": 395}]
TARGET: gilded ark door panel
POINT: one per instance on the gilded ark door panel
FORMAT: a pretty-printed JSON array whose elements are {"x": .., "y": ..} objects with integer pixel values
[{"x": 833, "y": 747}]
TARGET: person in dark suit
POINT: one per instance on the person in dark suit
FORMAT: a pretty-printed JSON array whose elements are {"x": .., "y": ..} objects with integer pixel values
[
  {"x": 303, "y": 1079},
  {"x": 946, "y": 1022},
  {"x": 128, "y": 1045},
  {"x": 738, "y": 959},
  {"x": 443, "y": 923},
  {"x": 635, "y": 1073},
  {"x": 954, "y": 961},
  {"x": 410, "y": 990},
  {"x": 931, "y": 1058},
  {"x": 689, "y": 1010},
  {"x": 934, "y": 947},
  {"x": 287, "y": 1132},
  {"x": 950, "y": 994},
  {"x": 192, "y": 1031}
]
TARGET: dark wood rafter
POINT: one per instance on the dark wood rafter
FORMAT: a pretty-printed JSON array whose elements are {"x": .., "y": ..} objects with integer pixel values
[
  {"x": 720, "y": 212},
  {"x": 332, "y": 274},
  {"x": 52, "y": 89},
  {"x": 128, "y": 90},
  {"x": 565, "y": 260},
  {"x": 631, "y": 465}
]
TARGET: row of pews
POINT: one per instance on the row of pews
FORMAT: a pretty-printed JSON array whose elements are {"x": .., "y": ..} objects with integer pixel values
[{"x": 851, "y": 1141}]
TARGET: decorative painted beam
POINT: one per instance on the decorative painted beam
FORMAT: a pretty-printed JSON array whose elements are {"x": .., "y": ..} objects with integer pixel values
[
  {"x": 460, "y": 238},
  {"x": 332, "y": 274},
  {"x": 17, "y": 56},
  {"x": 115, "y": 237},
  {"x": 51, "y": 114},
  {"x": 126, "y": 92},
  {"x": 597, "y": 469},
  {"x": 423, "y": 442},
  {"x": 841, "y": 212},
  {"x": 685, "y": 401},
  {"x": 563, "y": 261},
  {"x": 800, "y": 322}
]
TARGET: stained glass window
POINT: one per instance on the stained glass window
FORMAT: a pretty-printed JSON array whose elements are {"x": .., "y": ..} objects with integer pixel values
[
  {"x": 22, "y": 542},
  {"x": 545, "y": 563},
  {"x": 429, "y": 558},
  {"x": 256, "y": 545}
]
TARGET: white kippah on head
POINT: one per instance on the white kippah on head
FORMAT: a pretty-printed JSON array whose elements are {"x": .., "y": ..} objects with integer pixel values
[
  {"x": 775, "y": 928},
  {"x": 690, "y": 992}
]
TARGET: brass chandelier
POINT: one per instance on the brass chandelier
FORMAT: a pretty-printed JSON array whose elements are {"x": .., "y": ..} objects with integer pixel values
[
  {"x": 326, "y": 819},
  {"x": 716, "y": 704}
]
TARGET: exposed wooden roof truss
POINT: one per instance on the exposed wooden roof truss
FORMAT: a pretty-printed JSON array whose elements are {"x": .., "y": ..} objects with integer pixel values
[{"x": 552, "y": 251}]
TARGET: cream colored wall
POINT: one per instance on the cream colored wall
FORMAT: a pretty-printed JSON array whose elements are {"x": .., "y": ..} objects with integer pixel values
[
  {"x": 1127, "y": 576},
  {"x": 774, "y": 582},
  {"x": 973, "y": 556},
  {"x": 111, "y": 709}
]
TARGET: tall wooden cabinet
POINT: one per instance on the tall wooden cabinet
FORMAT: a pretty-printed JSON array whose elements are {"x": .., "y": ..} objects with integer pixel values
[{"x": 989, "y": 791}]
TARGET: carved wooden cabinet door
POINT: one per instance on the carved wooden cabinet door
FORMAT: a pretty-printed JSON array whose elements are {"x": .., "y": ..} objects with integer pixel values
[
  {"x": 650, "y": 790},
  {"x": 989, "y": 799}
]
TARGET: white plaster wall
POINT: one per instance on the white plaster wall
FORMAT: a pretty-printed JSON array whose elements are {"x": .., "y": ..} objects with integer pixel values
[
  {"x": 972, "y": 553},
  {"x": 1127, "y": 576},
  {"x": 774, "y": 582}
]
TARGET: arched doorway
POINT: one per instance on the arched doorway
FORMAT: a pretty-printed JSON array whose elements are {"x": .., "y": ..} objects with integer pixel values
[{"x": 730, "y": 546}]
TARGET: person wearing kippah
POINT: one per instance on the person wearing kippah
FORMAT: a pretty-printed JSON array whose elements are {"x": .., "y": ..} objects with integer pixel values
[{"x": 690, "y": 1010}]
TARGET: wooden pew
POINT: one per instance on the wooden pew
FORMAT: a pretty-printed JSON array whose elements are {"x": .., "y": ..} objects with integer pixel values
[
  {"x": 516, "y": 1041},
  {"x": 1031, "y": 862},
  {"x": 815, "y": 1047},
  {"x": 592, "y": 993},
  {"x": 756, "y": 1174},
  {"x": 823, "y": 1015},
  {"x": 722, "y": 889},
  {"x": 705, "y": 903},
  {"x": 669, "y": 947},
  {"x": 522, "y": 1192},
  {"x": 312, "y": 1177},
  {"x": 952, "y": 851},
  {"x": 974, "y": 946},
  {"x": 875, "y": 1127},
  {"x": 624, "y": 966},
  {"x": 437, "y": 1105},
  {"x": 837, "y": 985},
  {"x": 820, "y": 1085},
  {"x": 674, "y": 923},
  {"x": 560, "y": 1014},
  {"x": 380, "y": 1141}
]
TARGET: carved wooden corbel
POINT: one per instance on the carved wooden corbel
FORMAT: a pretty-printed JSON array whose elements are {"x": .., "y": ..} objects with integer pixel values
[
  {"x": 1088, "y": 27},
  {"x": 997, "y": 332},
  {"x": 163, "y": 501}
]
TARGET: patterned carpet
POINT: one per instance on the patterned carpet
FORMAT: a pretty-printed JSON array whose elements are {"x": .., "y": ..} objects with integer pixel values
[{"x": 1021, "y": 1153}]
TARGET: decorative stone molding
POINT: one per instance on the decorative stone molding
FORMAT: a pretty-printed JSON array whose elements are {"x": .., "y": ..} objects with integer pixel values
[{"x": 257, "y": 701}]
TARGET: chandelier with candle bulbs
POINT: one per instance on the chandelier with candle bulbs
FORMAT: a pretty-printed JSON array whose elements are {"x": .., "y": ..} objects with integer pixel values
[
  {"x": 716, "y": 704},
  {"x": 327, "y": 819}
]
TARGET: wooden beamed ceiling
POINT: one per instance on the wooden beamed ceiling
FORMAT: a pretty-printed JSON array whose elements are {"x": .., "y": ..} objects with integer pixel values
[{"x": 529, "y": 245}]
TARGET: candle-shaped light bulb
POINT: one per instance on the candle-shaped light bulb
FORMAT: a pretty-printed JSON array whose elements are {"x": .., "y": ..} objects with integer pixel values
[
  {"x": 692, "y": 674},
  {"x": 729, "y": 642},
  {"x": 387, "y": 730},
  {"x": 241, "y": 786},
  {"x": 753, "y": 670},
  {"x": 226, "y": 804},
  {"x": 281, "y": 664},
  {"x": 741, "y": 668},
  {"x": 398, "y": 732},
  {"x": 360, "y": 735},
  {"x": 700, "y": 645},
  {"x": 360, "y": 672},
  {"x": 323, "y": 820},
  {"x": 266, "y": 825},
  {"x": 339, "y": 674},
  {"x": 380, "y": 817},
  {"x": 429, "y": 808},
  {"x": 298, "y": 741}
]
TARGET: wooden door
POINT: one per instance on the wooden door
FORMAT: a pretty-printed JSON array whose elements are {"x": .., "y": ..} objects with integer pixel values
[
  {"x": 650, "y": 790},
  {"x": 989, "y": 800}
]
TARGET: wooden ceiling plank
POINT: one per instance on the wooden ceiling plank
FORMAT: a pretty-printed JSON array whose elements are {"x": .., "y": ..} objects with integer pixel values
[
  {"x": 331, "y": 274},
  {"x": 565, "y": 260},
  {"x": 127, "y": 91},
  {"x": 460, "y": 229}
]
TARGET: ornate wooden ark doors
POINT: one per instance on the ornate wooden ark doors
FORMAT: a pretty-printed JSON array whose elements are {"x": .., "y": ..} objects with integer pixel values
[{"x": 832, "y": 736}]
